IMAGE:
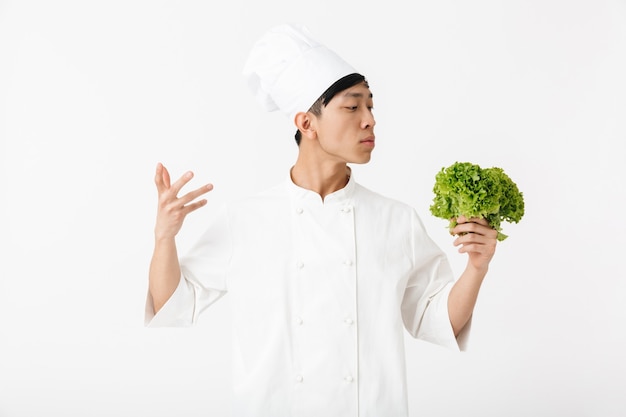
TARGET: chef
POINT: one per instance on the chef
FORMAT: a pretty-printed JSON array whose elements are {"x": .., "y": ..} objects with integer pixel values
[{"x": 324, "y": 276}]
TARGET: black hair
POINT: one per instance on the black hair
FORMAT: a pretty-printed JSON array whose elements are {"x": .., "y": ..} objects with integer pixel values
[{"x": 338, "y": 86}]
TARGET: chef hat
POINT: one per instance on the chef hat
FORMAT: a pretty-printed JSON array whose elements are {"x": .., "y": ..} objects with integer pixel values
[{"x": 288, "y": 70}]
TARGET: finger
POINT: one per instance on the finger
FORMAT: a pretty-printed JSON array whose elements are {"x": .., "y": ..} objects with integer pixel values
[
  {"x": 166, "y": 177},
  {"x": 194, "y": 206},
  {"x": 484, "y": 234},
  {"x": 470, "y": 238},
  {"x": 158, "y": 178},
  {"x": 180, "y": 183},
  {"x": 479, "y": 220},
  {"x": 475, "y": 248},
  {"x": 462, "y": 219},
  {"x": 486, "y": 250},
  {"x": 192, "y": 195},
  {"x": 484, "y": 230},
  {"x": 487, "y": 237},
  {"x": 473, "y": 227}
]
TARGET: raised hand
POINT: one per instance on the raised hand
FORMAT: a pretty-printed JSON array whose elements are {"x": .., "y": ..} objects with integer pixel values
[{"x": 172, "y": 209}]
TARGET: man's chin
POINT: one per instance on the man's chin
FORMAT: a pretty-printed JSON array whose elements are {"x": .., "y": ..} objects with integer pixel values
[{"x": 362, "y": 160}]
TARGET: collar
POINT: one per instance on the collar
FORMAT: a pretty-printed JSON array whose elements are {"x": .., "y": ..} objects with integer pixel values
[{"x": 340, "y": 196}]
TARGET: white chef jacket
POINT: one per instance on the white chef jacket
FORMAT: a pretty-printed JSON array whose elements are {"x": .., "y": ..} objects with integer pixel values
[{"x": 321, "y": 292}]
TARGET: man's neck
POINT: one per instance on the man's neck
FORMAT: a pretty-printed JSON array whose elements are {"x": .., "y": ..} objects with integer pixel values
[{"x": 323, "y": 179}]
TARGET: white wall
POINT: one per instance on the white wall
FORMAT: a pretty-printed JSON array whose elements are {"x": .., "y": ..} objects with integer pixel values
[{"x": 94, "y": 94}]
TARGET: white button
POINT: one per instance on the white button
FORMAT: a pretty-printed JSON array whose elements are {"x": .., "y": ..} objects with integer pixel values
[
  {"x": 349, "y": 378},
  {"x": 346, "y": 209},
  {"x": 299, "y": 378},
  {"x": 299, "y": 321},
  {"x": 348, "y": 263},
  {"x": 349, "y": 321},
  {"x": 300, "y": 265},
  {"x": 299, "y": 210}
]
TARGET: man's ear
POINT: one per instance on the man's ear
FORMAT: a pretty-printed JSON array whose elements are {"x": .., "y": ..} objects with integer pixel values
[{"x": 304, "y": 123}]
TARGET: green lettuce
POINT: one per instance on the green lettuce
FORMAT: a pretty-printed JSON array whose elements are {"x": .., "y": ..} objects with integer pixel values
[{"x": 467, "y": 189}]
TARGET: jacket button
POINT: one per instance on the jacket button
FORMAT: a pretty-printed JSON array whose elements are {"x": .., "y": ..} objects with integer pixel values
[
  {"x": 299, "y": 210},
  {"x": 299, "y": 378},
  {"x": 349, "y": 378},
  {"x": 300, "y": 265},
  {"x": 349, "y": 321}
]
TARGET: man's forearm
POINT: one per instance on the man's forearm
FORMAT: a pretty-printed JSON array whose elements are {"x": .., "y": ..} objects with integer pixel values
[
  {"x": 164, "y": 272},
  {"x": 463, "y": 296}
]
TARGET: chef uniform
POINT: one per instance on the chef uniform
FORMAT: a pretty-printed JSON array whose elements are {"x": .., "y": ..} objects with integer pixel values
[{"x": 321, "y": 290}]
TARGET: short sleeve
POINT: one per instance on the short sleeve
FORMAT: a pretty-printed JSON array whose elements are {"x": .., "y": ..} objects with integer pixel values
[
  {"x": 425, "y": 301},
  {"x": 176, "y": 312},
  {"x": 203, "y": 281}
]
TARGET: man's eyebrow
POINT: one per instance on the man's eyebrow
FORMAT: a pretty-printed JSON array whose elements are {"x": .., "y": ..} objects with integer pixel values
[{"x": 357, "y": 95}]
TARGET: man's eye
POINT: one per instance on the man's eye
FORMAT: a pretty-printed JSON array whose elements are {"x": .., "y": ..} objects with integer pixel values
[{"x": 352, "y": 107}]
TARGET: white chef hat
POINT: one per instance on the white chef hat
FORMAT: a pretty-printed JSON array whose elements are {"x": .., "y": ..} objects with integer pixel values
[{"x": 288, "y": 70}]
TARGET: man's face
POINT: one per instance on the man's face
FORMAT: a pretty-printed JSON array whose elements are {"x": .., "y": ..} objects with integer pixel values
[{"x": 345, "y": 129}]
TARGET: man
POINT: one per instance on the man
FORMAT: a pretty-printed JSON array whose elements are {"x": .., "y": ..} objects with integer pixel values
[{"x": 323, "y": 274}]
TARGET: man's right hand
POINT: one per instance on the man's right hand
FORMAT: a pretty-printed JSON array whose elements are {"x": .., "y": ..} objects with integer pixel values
[{"x": 172, "y": 209}]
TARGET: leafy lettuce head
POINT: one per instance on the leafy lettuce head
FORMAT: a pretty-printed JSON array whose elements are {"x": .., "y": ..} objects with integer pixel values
[{"x": 466, "y": 189}]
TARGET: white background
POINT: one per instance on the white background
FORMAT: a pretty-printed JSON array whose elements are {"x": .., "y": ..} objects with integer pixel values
[{"x": 94, "y": 94}]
